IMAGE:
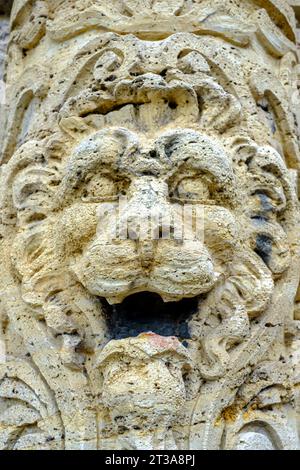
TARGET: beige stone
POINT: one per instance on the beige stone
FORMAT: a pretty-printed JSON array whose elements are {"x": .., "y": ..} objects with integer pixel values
[{"x": 150, "y": 226}]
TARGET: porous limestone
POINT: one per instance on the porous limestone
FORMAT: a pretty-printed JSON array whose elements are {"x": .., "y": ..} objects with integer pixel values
[{"x": 180, "y": 336}]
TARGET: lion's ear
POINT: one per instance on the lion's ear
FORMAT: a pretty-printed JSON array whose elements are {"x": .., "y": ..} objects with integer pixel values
[
  {"x": 270, "y": 242},
  {"x": 271, "y": 197},
  {"x": 249, "y": 284}
]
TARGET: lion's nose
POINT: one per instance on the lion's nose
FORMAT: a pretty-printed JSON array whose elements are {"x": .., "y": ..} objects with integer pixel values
[{"x": 145, "y": 214}]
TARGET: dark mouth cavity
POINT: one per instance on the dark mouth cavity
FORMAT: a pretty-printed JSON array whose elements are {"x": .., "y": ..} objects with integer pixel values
[{"x": 145, "y": 312}]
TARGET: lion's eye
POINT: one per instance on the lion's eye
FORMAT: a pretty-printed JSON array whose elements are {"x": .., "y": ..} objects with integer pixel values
[
  {"x": 193, "y": 189},
  {"x": 99, "y": 188}
]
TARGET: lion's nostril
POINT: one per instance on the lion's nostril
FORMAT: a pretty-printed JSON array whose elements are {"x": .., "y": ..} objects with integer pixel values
[
  {"x": 153, "y": 154},
  {"x": 148, "y": 173}
]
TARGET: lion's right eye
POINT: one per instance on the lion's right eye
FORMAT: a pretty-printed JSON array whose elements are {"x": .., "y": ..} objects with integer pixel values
[
  {"x": 194, "y": 190},
  {"x": 99, "y": 188}
]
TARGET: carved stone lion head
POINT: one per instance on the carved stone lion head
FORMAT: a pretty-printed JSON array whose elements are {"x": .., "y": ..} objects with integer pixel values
[{"x": 151, "y": 132}]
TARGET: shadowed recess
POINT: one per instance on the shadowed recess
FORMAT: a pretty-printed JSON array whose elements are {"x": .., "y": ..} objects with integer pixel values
[
  {"x": 145, "y": 312},
  {"x": 264, "y": 247},
  {"x": 5, "y": 7}
]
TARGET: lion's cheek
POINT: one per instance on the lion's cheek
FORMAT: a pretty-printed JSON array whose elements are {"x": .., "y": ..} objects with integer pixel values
[
  {"x": 75, "y": 227},
  {"x": 184, "y": 270},
  {"x": 109, "y": 270},
  {"x": 221, "y": 234}
]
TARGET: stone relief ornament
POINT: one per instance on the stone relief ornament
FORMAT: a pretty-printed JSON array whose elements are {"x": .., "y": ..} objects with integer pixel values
[{"x": 150, "y": 226}]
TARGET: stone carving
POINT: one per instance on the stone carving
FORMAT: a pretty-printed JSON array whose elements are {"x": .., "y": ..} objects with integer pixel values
[
  {"x": 140, "y": 374},
  {"x": 122, "y": 335}
]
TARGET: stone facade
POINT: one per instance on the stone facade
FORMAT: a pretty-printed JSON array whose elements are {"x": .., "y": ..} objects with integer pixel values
[{"x": 183, "y": 335}]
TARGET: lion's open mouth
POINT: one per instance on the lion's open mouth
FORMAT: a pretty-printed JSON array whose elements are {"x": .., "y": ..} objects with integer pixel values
[{"x": 146, "y": 311}]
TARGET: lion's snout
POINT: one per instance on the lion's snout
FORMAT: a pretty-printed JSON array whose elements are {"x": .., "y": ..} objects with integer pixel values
[{"x": 147, "y": 247}]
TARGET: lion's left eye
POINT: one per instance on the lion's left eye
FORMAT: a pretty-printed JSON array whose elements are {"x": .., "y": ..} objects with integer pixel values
[
  {"x": 99, "y": 188},
  {"x": 193, "y": 189}
]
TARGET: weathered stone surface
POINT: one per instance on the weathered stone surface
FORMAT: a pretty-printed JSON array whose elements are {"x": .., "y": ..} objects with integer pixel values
[
  {"x": 182, "y": 334},
  {"x": 4, "y": 33}
]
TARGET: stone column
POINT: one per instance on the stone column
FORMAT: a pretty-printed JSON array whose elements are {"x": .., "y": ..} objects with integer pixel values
[
  {"x": 150, "y": 226},
  {"x": 4, "y": 34}
]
